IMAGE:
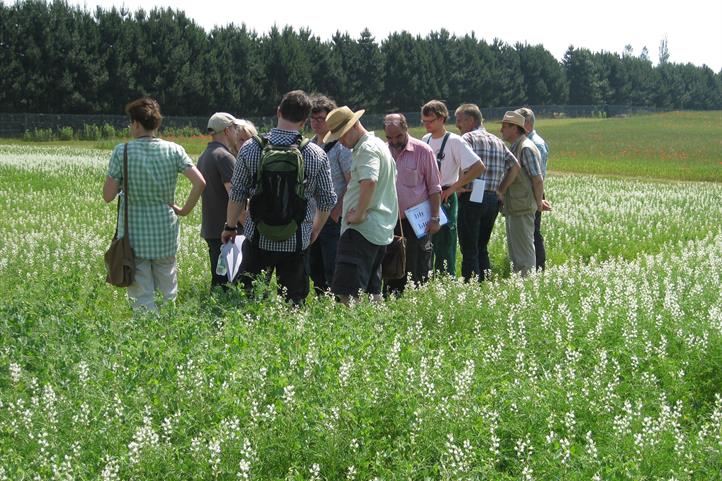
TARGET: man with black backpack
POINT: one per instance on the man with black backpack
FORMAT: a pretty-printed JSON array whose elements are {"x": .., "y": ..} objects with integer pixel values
[{"x": 280, "y": 173}]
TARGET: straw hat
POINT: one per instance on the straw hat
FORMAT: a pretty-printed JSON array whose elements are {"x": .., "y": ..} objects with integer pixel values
[
  {"x": 513, "y": 117},
  {"x": 340, "y": 121}
]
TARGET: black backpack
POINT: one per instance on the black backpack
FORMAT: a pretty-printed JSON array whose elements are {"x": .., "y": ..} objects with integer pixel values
[{"x": 278, "y": 206}]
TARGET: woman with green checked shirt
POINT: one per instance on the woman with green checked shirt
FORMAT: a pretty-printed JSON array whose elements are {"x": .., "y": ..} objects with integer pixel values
[{"x": 153, "y": 168}]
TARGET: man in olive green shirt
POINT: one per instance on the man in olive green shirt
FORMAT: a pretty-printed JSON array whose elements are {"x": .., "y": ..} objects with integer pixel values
[{"x": 370, "y": 207}]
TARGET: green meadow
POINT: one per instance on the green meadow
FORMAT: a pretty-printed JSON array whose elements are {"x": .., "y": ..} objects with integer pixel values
[{"x": 604, "y": 367}]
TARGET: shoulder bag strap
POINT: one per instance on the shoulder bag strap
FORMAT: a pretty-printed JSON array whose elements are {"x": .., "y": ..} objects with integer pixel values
[{"x": 125, "y": 190}]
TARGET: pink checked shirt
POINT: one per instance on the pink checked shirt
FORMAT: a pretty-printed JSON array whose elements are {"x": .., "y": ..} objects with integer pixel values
[{"x": 418, "y": 175}]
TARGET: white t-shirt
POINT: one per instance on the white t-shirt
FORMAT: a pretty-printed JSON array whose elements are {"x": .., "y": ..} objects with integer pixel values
[{"x": 458, "y": 156}]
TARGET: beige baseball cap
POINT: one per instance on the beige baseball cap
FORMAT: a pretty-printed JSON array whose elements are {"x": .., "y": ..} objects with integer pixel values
[{"x": 220, "y": 121}]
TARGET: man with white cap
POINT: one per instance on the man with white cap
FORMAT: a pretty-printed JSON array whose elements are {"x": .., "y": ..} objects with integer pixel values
[
  {"x": 370, "y": 207},
  {"x": 216, "y": 164},
  {"x": 523, "y": 197}
]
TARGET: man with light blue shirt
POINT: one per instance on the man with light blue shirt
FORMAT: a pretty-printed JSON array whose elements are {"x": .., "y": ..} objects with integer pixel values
[
  {"x": 370, "y": 207},
  {"x": 541, "y": 145}
]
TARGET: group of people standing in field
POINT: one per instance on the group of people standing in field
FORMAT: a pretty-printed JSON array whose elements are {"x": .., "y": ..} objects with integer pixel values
[{"x": 325, "y": 209}]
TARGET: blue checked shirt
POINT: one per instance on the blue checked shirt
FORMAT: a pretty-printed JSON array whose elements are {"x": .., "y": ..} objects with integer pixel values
[
  {"x": 318, "y": 185},
  {"x": 495, "y": 155},
  {"x": 543, "y": 150}
]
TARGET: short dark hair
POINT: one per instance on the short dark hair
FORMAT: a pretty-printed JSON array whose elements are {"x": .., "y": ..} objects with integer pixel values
[
  {"x": 470, "y": 110},
  {"x": 146, "y": 111},
  {"x": 321, "y": 103},
  {"x": 436, "y": 108},
  {"x": 295, "y": 106}
]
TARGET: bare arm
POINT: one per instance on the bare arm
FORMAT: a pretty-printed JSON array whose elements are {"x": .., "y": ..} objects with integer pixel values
[
  {"x": 358, "y": 214},
  {"x": 435, "y": 201},
  {"x": 537, "y": 184},
  {"x": 110, "y": 189},
  {"x": 198, "y": 183}
]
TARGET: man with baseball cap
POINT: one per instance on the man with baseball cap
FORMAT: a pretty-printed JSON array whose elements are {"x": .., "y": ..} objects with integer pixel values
[
  {"x": 523, "y": 197},
  {"x": 216, "y": 164},
  {"x": 370, "y": 207}
]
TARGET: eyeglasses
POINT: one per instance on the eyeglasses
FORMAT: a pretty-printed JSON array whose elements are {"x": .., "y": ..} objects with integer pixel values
[{"x": 425, "y": 122}]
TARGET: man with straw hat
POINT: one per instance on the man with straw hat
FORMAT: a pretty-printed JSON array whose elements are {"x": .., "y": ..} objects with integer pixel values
[
  {"x": 370, "y": 207},
  {"x": 523, "y": 198}
]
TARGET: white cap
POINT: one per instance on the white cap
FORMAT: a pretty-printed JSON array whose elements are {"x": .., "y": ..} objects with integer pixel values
[{"x": 220, "y": 121}]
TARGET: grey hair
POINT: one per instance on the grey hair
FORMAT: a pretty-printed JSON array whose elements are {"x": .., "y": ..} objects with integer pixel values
[{"x": 528, "y": 114}]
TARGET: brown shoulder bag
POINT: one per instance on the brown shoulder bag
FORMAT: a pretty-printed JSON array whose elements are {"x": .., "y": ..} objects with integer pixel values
[
  {"x": 120, "y": 258},
  {"x": 393, "y": 265}
]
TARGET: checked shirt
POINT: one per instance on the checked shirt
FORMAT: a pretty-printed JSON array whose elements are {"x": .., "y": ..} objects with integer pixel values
[
  {"x": 153, "y": 168},
  {"x": 495, "y": 155},
  {"x": 317, "y": 178}
]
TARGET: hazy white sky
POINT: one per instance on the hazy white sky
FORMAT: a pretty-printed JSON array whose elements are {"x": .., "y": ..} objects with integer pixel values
[{"x": 692, "y": 27}]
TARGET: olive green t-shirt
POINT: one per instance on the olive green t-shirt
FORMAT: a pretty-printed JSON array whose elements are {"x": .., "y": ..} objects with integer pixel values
[{"x": 372, "y": 161}]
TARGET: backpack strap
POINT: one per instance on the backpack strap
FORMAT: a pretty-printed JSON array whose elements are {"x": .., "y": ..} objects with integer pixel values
[{"x": 440, "y": 153}]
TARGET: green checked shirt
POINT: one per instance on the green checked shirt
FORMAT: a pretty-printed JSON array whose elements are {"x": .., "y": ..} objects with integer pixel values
[{"x": 153, "y": 167}]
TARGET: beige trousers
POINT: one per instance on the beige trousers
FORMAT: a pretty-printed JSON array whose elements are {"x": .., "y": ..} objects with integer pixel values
[
  {"x": 520, "y": 241},
  {"x": 153, "y": 275}
]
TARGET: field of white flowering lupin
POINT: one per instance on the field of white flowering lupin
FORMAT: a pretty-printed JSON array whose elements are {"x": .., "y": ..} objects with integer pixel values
[{"x": 607, "y": 366}]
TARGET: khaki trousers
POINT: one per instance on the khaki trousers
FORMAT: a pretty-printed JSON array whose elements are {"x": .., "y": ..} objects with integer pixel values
[
  {"x": 520, "y": 241},
  {"x": 153, "y": 275}
]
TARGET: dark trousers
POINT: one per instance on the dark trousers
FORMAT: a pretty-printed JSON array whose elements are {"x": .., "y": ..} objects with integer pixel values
[
  {"x": 214, "y": 250},
  {"x": 290, "y": 270},
  {"x": 476, "y": 222},
  {"x": 322, "y": 256},
  {"x": 419, "y": 257},
  {"x": 541, "y": 253},
  {"x": 445, "y": 240}
]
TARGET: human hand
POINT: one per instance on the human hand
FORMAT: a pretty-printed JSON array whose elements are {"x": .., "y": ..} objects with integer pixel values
[
  {"x": 354, "y": 217},
  {"x": 446, "y": 193},
  {"x": 500, "y": 196},
  {"x": 433, "y": 227},
  {"x": 336, "y": 212},
  {"x": 228, "y": 235},
  {"x": 179, "y": 211},
  {"x": 545, "y": 206}
]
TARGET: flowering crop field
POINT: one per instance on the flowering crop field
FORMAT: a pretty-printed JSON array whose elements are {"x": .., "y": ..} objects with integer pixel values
[{"x": 607, "y": 366}]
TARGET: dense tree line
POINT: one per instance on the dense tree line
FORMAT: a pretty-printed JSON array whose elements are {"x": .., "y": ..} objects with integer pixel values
[{"x": 56, "y": 58}]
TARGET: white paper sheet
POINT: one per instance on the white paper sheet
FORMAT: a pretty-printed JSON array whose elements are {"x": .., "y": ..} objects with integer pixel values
[
  {"x": 420, "y": 215},
  {"x": 233, "y": 254},
  {"x": 477, "y": 191}
]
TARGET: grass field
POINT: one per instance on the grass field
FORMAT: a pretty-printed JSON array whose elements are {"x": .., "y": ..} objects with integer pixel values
[{"x": 604, "y": 367}]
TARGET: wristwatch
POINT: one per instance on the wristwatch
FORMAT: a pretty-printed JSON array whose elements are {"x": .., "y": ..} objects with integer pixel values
[
  {"x": 229, "y": 228},
  {"x": 435, "y": 219}
]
